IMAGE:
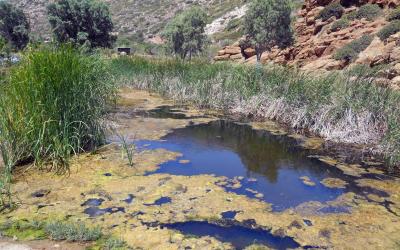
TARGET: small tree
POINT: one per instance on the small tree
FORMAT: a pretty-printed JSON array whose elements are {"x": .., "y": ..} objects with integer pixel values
[
  {"x": 82, "y": 22},
  {"x": 185, "y": 33},
  {"x": 267, "y": 24},
  {"x": 14, "y": 26}
]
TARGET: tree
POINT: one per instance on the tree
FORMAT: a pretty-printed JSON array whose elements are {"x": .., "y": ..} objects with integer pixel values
[
  {"x": 185, "y": 33},
  {"x": 267, "y": 24},
  {"x": 84, "y": 22},
  {"x": 14, "y": 26}
]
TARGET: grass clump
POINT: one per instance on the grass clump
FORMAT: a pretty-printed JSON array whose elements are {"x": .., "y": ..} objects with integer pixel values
[
  {"x": 350, "y": 51},
  {"x": 394, "y": 15},
  {"x": 113, "y": 243},
  {"x": 52, "y": 106},
  {"x": 339, "y": 106},
  {"x": 389, "y": 29},
  {"x": 72, "y": 231},
  {"x": 333, "y": 9},
  {"x": 340, "y": 24}
]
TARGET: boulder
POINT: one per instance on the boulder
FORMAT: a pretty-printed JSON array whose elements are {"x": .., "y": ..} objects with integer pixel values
[
  {"x": 221, "y": 52},
  {"x": 232, "y": 50},
  {"x": 222, "y": 58},
  {"x": 249, "y": 52},
  {"x": 236, "y": 57}
]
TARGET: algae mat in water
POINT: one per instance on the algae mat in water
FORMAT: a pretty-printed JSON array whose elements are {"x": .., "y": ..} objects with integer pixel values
[{"x": 137, "y": 202}]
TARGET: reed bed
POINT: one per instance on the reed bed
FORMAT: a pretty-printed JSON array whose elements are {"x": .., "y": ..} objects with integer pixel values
[{"x": 346, "y": 106}]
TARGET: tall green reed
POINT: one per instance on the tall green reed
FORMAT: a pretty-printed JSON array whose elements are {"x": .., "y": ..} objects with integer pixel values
[
  {"x": 53, "y": 105},
  {"x": 343, "y": 106}
]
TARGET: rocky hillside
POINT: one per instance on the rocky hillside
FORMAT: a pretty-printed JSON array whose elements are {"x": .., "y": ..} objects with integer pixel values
[
  {"x": 331, "y": 35},
  {"x": 133, "y": 19}
]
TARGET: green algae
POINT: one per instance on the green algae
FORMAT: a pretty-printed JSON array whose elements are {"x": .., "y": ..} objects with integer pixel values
[{"x": 192, "y": 198}]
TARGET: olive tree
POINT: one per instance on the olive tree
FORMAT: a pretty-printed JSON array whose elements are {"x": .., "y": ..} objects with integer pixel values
[
  {"x": 84, "y": 22},
  {"x": 185, "y": 35},
  {"x": 14, "y": 26},
  {"x": 267, "y": 24}
]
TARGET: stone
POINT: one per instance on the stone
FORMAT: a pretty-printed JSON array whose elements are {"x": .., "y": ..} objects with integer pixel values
[
  {"x": 236, "y": 57},
  {"x": 221, "y": 52},
  {"x": 249, "y": 52},
  {"x": 232, "y": 50},
  {"x": 222, "y": 58}
]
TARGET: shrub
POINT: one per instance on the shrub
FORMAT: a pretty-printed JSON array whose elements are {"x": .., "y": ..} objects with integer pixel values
[
  {"x": 351, "y": 50},
  {"x": 368, "y": 11},
  {"x": 333, "y": 9},
  {"x": 72, "y": 232},
  {"x": 268, "y": 24},
  {"x": 14, "y": 26},
  {"x": 52, "y": 106},
  {"x": 340, "y": 24},
  {"x": 394, "y": 14},
  {"x": 389, "y": 29},
  {"x": 82, "y": 21}
]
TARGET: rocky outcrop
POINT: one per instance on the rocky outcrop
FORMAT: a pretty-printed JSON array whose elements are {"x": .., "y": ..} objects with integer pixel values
[{"x": 316, "y": 42}]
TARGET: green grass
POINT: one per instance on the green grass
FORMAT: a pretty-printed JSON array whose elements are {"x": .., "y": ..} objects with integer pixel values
[
  {"x": 344, "y": 107},
  {"x": 52, "y": 106}
]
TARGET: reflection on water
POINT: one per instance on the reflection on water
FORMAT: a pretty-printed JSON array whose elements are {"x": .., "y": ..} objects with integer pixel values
[
  {"x": 240, "y": 237},
  {"x": 268, "y": 166}
]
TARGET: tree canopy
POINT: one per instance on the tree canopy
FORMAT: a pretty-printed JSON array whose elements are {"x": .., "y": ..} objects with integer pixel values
[
  {"x": 268, "y": 24},
  {"x": 185, "y": 33},
  {"x": 82, "y": 22},
  {"x": 14, "y": 26}
]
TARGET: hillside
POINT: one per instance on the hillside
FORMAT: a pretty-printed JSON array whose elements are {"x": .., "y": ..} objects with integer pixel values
[
  {"x": 134, "y": 20},
  {"x": 365, "y": 32}
]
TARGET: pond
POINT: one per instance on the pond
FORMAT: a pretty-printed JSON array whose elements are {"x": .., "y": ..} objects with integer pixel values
[{"x": 262, "y": 165}]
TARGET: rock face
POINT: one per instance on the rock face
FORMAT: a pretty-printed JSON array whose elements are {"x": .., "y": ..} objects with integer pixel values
[{"x": 316, "y": 42}]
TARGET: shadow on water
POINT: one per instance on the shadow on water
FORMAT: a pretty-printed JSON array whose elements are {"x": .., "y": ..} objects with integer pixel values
[
  {"x": 270, "y": 165},
  {"x": 240, "y": 237}
]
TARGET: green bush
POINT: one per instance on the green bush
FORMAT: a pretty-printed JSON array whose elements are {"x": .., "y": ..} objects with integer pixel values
[
  {"x": 351, "y": 50},
  {"x": 389, "y": 29},
  {"x": 369, "y": 11},
  {"x": 14, "y": 25},
  {"x": 340, "y": 24},
  {"x": 394, "y": 14},
  {"x": 85, "y": 22},
  {"x": 52, "y": 105},
  {"x": 185, "y": 33},
  {"x": 267, "y": 23},
  {"x": 333, "y": 9},
  {"x": 72, "y": 232}
]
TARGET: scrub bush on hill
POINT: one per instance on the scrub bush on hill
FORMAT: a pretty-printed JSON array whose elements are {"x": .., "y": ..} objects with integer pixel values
[
  {"x": 351, "y": 50},
  {"x": 389, "y": 29},
  {"x": 333, "y": 9}
]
